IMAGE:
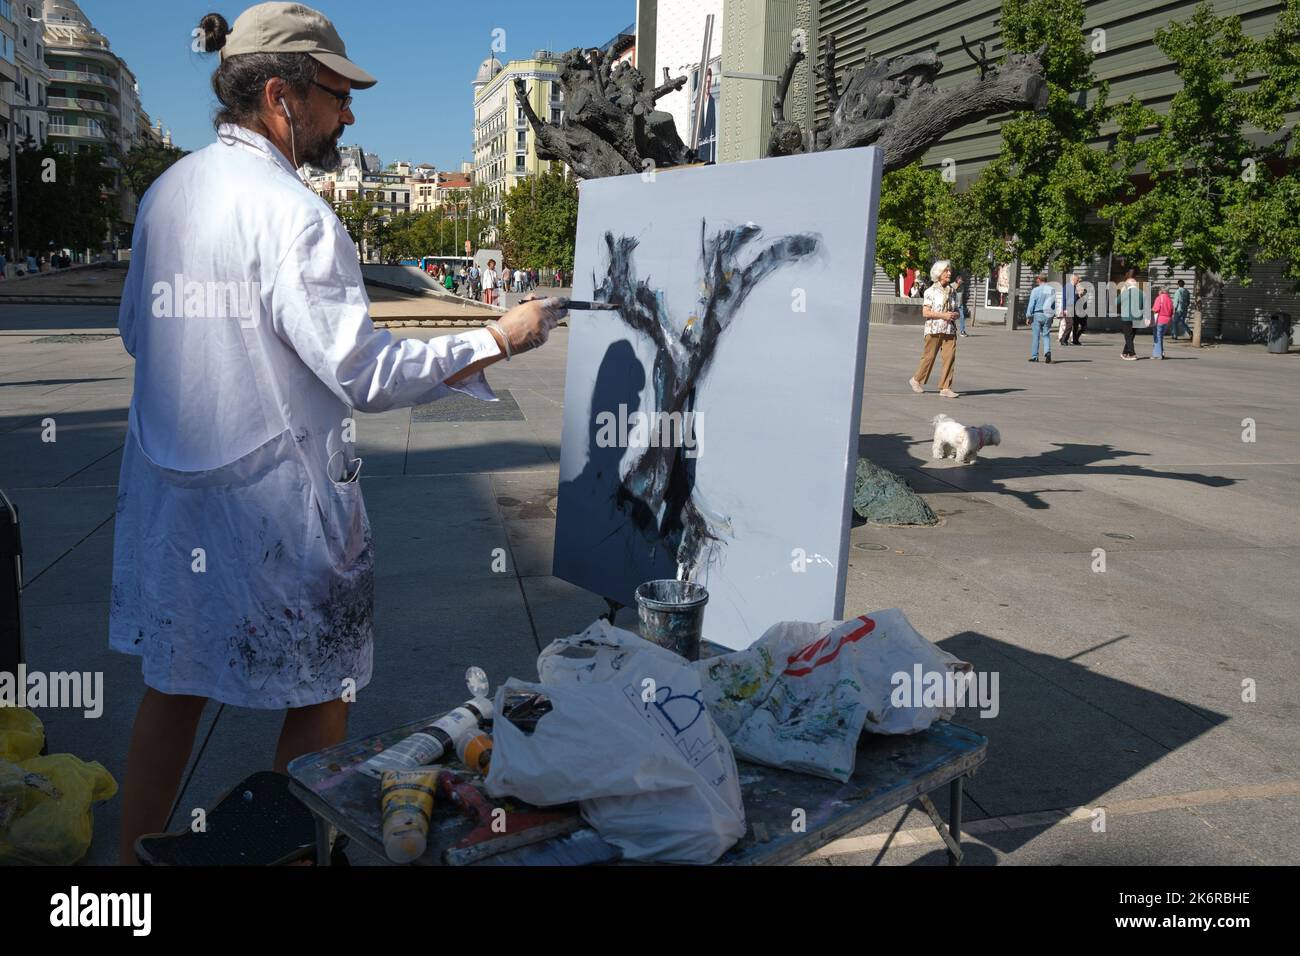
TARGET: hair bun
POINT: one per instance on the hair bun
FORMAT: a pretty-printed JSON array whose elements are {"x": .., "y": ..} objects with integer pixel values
[{"x": 215, "y": 30}]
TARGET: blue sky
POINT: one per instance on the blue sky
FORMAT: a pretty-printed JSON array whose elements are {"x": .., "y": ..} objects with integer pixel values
[{"x": 423, "y": 54}]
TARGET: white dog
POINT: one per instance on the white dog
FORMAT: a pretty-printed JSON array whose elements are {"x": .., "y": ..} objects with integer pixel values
[{"x": 955, "y": 440}]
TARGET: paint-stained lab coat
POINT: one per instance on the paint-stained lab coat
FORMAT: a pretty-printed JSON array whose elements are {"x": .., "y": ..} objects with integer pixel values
[{"x": 242, "y": 563}]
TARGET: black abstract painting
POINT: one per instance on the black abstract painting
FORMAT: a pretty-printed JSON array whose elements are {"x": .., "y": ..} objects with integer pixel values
[{"x": 646, "y": 517}]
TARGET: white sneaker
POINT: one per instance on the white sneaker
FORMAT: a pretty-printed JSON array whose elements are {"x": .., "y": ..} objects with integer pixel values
[{"x": 916, "y": 386}]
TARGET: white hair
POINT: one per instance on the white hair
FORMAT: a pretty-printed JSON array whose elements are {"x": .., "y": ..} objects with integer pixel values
[{"x": 936, "y": 270}]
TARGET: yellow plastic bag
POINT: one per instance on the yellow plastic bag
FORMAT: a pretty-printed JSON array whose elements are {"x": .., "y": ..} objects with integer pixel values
[
  {"x": 21, "y": 734},
  {"x": 46, "y": 803}
]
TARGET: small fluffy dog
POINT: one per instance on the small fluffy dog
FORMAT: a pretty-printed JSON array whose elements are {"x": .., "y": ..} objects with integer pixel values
[{"x": 955, "y": 440}]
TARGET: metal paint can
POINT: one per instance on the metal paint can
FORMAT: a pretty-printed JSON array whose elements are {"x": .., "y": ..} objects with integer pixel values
[{"x": 672, "y": 615}]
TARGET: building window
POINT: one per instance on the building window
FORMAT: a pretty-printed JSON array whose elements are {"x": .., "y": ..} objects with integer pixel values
[
  {"x": 520, "y": 163},
  {"x": 556, "y": 117},
  {"x": 522, "y": 140},
  {"x": 6, "y": 45}
]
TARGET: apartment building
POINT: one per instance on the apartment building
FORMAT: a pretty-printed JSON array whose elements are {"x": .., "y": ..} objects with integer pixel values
[
  {"x": 93, "y": 99},
  {"x": 8, "y": 74},
  {"x": 32, "y": 77},
  {"x": 505, "y": 148}
]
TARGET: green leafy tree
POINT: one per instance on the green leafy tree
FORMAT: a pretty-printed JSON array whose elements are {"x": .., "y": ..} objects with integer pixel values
[
  {"x": 912, "y": 200},
  {"x": 145, "y": 162},
  {"x": 1215, "y": 193},
  {"x": 92, "y": 208},
  {"x": 923, "y": 218},
  {"x": 360, "y": 218},
  {"x": 1041, "y": 193},
  {"x": 465, "y": 217},
  {"x": 63, "y": 199},
  {"x": 541, "y": 222}
]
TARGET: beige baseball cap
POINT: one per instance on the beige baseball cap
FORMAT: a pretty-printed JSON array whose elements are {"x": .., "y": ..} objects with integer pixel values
[{"x": 293, "y": 28}]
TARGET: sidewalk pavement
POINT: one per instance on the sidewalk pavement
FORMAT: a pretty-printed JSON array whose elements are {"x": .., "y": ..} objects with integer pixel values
[{"x": 1120, "y": 690}]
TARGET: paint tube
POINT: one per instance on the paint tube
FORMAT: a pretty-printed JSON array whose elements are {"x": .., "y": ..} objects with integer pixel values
[
  {"x": 407, "y": 800},
  {"x": 475, "y": 751},
  {"x": 433, "y": 742}
]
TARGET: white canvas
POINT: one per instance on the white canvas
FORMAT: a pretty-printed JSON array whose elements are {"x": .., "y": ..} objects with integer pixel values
[{"x": 776, "y": 409}]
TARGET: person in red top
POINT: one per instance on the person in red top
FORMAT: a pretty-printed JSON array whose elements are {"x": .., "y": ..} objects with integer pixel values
[{"x": 1163, "y": 310}]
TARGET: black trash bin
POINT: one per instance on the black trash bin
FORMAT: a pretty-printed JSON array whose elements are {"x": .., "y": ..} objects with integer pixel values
[{"x": 1279, "y": 332}]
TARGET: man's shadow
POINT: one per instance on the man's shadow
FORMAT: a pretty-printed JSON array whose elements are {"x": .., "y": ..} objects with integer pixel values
[{"x": 605, "y": 542}]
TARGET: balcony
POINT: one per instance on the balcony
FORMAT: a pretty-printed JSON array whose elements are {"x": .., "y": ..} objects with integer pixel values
[
  {"x": 84, "y": 104},
  {"x": 72, "y": 129},
  {"x": 86, "y": 77}
]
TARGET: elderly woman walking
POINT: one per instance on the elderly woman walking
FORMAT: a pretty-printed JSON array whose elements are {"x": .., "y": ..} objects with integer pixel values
[{"x": 939, "y": 309}]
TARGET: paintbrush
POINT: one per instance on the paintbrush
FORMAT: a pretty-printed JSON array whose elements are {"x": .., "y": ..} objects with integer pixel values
[{"x": 589, "y": 306}]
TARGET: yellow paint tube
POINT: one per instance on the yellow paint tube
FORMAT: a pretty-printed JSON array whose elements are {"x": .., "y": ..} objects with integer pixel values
[{"x": 407, "y": 800}]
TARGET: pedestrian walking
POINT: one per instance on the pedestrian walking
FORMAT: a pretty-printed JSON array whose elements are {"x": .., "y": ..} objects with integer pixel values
[
  {"x": 1074, "y": 312},
  {"x": 490, "y": 282},
  {"x": 1182, "y": 302},
  {"x": 1039, "y": 313},
  {"x": 1003, "y": 283},
  {"x": 939, "y": 309},
  {"x": 961, "y": 291},
  {"x": 1130, "y": 312},
  {"x": 1162, "y": 309}
]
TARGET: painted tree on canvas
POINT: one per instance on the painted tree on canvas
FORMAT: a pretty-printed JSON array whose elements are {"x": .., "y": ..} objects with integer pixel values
[{"x": 658, "y": 491}]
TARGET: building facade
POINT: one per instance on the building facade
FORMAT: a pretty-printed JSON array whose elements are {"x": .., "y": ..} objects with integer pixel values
[
  {"x": 32, "y": 78},
  {"x": 756, "y": 41},
  {"x": 93, "y": 100},
  {"x": 8, "y": 74},
  {"x": 505, "y": 147}
]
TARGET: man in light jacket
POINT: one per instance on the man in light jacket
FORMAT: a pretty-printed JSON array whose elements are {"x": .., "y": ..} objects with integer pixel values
[
  {"x": 243, "y": 560},
  {"x": 1039, "y": 312}
]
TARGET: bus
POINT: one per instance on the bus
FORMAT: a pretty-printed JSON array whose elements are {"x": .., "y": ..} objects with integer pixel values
[{"x": 426, "y": 263}]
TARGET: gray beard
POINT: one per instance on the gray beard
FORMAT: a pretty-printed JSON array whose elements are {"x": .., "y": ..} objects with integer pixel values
[{"x": 323, "y": 154}]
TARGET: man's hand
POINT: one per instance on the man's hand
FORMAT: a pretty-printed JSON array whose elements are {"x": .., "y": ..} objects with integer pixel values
[{"x": 528, "y": 325}]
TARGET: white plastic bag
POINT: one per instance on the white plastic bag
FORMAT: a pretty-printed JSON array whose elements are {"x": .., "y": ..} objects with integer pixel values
[
  {"x": 631, "y": 740},
  {"x": 800, "y": 697}
]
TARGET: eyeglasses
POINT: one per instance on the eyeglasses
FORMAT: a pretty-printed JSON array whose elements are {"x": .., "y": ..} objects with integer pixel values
[{"x": 345, "y": 100}]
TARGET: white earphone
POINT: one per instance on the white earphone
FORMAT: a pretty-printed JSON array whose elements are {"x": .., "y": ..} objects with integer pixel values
[{"x": 293, "y": 145}]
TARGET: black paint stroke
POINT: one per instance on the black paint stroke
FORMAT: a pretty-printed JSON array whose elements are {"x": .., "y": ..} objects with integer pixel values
[{"x": 658, "y": 493}]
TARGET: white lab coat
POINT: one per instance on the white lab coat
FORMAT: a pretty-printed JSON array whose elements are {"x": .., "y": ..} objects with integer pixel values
[{"x": 242, "y": 564}]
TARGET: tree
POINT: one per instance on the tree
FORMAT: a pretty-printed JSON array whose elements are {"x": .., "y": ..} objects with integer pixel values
[
  {"x": 1214, "y": 196},
  {"x": 63, "y": 199},
  {"x": 911, "y": 201},
  {"x": 541, "y": 222},
  {"x": 923, "y": 218},
  {"x": 359, "y": 218},
  {"x": 92, "y": 210},
  {"x": 1041, "y": 192},
  {"x": 145, "y": 162}
]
